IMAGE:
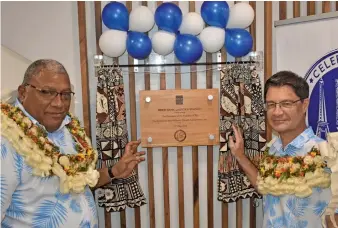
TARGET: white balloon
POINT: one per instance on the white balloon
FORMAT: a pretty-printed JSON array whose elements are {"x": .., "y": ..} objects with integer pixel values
[
  {"x": 212, "y": 39},
  {"x": 192, "y": 23},
  {"x": 141, "y": 19},
  {"x": 113, "y": 42},
  {"x": 241, "y": 16},
  {"x": 163, "y": 42}
]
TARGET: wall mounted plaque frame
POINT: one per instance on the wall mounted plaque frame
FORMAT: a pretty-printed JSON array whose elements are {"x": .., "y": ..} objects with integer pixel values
[{"x": 179, "y": 117}]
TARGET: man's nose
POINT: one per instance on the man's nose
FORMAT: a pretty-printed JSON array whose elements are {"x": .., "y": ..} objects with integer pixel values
[
  {"x": 57, "y": 101},
  {"x": 278, "y": 110}
]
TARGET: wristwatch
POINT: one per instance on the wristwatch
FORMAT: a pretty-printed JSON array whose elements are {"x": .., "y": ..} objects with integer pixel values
[{"x": 110, "y": 173}]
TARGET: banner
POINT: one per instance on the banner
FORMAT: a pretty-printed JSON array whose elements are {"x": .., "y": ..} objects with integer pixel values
[
  {"x": 322, "y": 78},
  {"x": 309, "y": 48}
]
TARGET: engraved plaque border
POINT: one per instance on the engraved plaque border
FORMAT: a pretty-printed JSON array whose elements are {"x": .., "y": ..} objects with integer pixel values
[{"x": 179, "y": 117}]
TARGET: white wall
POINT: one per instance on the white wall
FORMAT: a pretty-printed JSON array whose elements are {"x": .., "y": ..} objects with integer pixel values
[
  {"x": 38, "y": 30},
  {"x": 13, "y": 67}
]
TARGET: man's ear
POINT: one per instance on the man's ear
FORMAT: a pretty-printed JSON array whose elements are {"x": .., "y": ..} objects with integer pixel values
[
  {"x": 22, "y": 93},
  {"x": 306, "y": 104}
]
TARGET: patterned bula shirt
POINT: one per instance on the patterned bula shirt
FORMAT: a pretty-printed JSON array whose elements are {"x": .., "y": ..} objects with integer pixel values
[
  {"x": 31, "y": 201},
  {"x": 289, "y": 211}
]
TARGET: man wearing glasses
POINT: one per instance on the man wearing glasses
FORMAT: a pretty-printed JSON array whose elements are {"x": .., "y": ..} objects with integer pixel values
[
  {"x": 46, "y": 134},
  {"x": 286, "y": 102}
]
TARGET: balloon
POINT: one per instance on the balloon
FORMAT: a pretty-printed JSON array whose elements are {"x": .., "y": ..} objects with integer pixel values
[
  {"x": 113, "y": 43},
  {"x": 163, "y": 42},
  {"x": 215, "y": 13},
  {"x": 138, "y": 45},
  {"x": 188, "y": 48},
  {"x": 241, "y": 16},
  {"x": 168, "y": 17},
  {"x": 212, "y": 39},
  {"x": 192, "y": 24},
  {"x": 115, "y": 16},
  {"x": 141, "y": 19},
  {"x": 238, "y": 42}
]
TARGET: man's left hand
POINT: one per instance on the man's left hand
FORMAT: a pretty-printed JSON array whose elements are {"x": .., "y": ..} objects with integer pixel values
[{"x": 130, "y": 159}]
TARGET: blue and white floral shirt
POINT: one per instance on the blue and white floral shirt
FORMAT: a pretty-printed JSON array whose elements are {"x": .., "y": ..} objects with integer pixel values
[
  {"x": 31, "y": 201},
  {"x": 289, "y": 211}
]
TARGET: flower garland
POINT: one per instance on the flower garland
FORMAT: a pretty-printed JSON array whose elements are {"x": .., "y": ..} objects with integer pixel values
[
  {"x": 31, "y": 142},
  {"x": 329, "y": 151},
  {"x": 279, "y": 175}
]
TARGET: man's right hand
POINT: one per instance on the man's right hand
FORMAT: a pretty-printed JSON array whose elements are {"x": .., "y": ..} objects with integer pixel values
[
  {"x": 130, "y": 159},
  {"x": 237, "y": 145}
]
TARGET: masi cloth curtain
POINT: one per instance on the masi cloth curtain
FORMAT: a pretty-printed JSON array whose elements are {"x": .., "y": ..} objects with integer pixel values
[
  {"x": 111, "y": 139},
  {"x": 241, "y": 103}
]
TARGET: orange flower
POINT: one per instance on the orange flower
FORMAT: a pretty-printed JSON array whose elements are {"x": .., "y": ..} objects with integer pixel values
[
  {"x": 277, "y": 174},
  {"x": 313, "y": 154},
  {"x": 283, "y": 160}
]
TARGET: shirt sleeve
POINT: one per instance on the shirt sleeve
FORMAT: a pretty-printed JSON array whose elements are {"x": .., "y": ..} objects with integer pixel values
[{"x": 11, "y": 168}]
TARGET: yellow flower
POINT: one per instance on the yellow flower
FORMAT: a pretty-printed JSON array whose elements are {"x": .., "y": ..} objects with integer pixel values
[
  {"x": 81, "y": 155},
  {"x": 313, "y": 154}
]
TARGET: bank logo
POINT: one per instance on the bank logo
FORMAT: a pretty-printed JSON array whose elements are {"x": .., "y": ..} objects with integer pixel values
[{"x": 322, "y": 78}]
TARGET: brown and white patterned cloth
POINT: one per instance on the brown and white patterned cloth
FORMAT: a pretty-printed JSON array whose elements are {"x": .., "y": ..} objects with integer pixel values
[
  {"x": 111, "y": 139},
  {"x": 242, "y": 104}
]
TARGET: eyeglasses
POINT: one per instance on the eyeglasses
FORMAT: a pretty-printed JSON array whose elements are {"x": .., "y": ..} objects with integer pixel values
[
  {"x": 51, "y": 94},
  {"x": 283, "y": 105}
]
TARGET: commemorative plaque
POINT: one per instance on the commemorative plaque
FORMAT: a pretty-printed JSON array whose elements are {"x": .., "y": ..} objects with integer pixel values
[{"x": 179, "y": 117}]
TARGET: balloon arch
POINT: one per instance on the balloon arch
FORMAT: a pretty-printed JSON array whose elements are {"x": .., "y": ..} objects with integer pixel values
[{"x": 186, "y": 35}]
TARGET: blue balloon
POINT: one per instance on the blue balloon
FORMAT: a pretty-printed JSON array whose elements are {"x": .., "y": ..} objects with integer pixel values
[
  {"x": 215, "y": 13},
  {"x": 115, "y": 16},
  {"x": 168, "y": 17},
  {"x": 188, "y": 48},
  {"x": 138, "y": 45},
  {"x": 238, "y": 42}
]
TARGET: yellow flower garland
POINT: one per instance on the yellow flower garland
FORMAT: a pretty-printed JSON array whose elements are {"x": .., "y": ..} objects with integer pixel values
[
  {"x": 31, "y": 142},
  {"x": 280, "y": 175}
]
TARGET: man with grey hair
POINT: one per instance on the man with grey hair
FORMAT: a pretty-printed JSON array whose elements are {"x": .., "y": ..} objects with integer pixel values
[{"x": 47, "y": 162}]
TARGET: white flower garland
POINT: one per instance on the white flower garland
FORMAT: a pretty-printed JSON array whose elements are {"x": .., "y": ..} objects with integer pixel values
[
  {"x": 330, "y": 154},
  {"x": 299, "y": 186},
  {"x": 43, "y": 165},
  {"x": 292, "y": 175}
]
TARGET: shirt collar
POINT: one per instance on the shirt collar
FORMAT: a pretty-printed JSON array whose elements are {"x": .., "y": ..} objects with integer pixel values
[
  {"x": 66, "y": 120},
  {"x": 298, "y": 142}
]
